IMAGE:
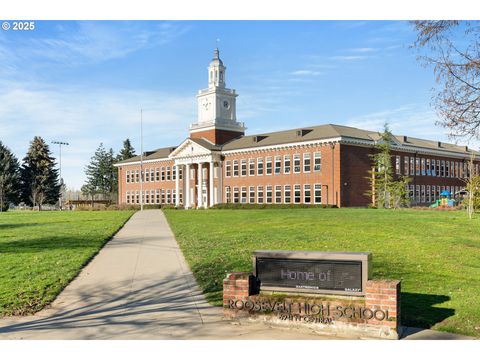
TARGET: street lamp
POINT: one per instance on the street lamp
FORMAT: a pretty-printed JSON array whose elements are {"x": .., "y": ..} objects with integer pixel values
[{"x": 60, "y": 143}]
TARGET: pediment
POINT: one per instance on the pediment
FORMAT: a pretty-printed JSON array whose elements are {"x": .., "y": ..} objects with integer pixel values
[{"x": 189, "y": 148}]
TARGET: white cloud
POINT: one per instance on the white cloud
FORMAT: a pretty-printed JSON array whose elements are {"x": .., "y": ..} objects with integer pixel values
[
  {"x": 87, "y": 42},
  {"x": 305, "y": 73},
  {"x": 411, "y": 120},
  {"x": 349, "y": 57},
  {"x": 86, "y": 118}
]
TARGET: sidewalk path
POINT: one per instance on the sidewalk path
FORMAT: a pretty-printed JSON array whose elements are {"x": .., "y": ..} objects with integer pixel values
[{"x": 140, "y": 287}]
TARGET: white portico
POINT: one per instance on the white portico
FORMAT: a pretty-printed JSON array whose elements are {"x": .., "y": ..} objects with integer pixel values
[{"x": 200, "y": 162}]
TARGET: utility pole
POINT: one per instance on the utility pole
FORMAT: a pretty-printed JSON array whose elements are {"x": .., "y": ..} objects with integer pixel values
[
  {"x": 60, "y": 143},
  {"x": 141, "y": 159}
]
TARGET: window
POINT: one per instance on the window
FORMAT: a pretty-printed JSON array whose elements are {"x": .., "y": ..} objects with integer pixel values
[
  {"x": 417, "y": 166},
  {"x": 286, "y": 164},
  {"x": 423, "y": 193},
  {"x": 137, "y": 176},
  {"x": 268, "y": 165},
  {"x": 447, "y": 169},
  {"x": 306, "y": 162},
  {"x": 417, "y": 193},
  {"x": 318, "y": 193},
  {"x": 157, "y": 174},
  {"x": 269, "y": 194},
  {"x": 152, "y": 195},
  {"x": 174, "y": 196},
  {"x": 228, "y": 169},
  {"x": 428, "y": 198},
  {"x": 259, "y": 166},
  {"x": 174, "y": 173},
  {"x": 169, "y": 174},
  {"x": 180, "y": 173},
  {"x": 260, "y": 194},
  {"x": 169, "y": 199},
  {"x": 442, "y": 169},
  {"x": 278, "y": 194},
  {"x": 429, "y": 170},
  {"x": 128, "y": 177},
  {"x": 288, "y": 194},
  {"x": 228, "y": 195},
  {"x": 243, "y": 163},
  {"x": 411, "y": 193},
  {"x": 317, "y": 161},
  {"x": 243, "y": 195},
  {"x": 251, "y": 167},
  {"x": 251, "y": 197},
  {"x": 128, "y": 197},
  {"x": 397, "y": 165},
  {"x": 298, "y": 195},
  {"x": 423, "y": 166},
  {"x": 438, "y": 168},
  {"x": 434, "y": 194},
  {"x": 412, "y": 166},
  {"x": 307, "y": 194},
  {"x": 163, "y": 196},
  {"x": 147, "y": 175},
  {"x": 405, "y": 164},
  {"x": 235, "y": 195},
  {"x": 137, "y": 197},
  {"x": 235, "y": 167},
  {"x": 163, "y": 173},
  {"x": 434, "y": 170},
  {"x": 296, "y": 163},
  {"x": 278, "y": 165},
  {"x": 157, "y": 196}
]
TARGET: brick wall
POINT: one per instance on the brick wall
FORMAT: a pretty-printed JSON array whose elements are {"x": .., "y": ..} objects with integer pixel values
[{"x": 377, "y": 314}]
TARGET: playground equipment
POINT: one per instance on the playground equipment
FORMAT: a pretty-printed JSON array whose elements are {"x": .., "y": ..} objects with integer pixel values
[{"x": 445, "y": 200}]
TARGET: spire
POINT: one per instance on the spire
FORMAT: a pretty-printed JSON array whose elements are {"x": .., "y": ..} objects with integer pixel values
[{"x": 216, "y": 71}]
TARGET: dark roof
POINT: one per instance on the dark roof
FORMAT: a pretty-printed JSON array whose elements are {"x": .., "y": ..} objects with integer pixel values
[
  {"x": 308, "y": 133},
  {"x": 206, "y": 144},
  {"x": 150, "y": 155}
]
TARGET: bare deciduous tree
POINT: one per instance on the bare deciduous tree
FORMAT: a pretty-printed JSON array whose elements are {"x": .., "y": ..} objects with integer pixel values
[{"x": 453, "y": 49}]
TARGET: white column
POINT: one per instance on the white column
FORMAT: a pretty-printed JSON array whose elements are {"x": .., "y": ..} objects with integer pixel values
[
  {"x": 220, "y": 183},
  {"x": 210, "y": 182},
  {"x": 177, "y": 187},
  {"x": 186, "y": 180},
  {"x": 199, "y": 188}
]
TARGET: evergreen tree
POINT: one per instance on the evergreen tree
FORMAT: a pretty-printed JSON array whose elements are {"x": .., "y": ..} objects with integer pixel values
[
  {"x": 39, "y": 178},
  {"x": 386, "y": 192},
  {"x": 101, "y": 174},
  {"x": 127, "y": 151},
  {"x": 9, "y": 178}
]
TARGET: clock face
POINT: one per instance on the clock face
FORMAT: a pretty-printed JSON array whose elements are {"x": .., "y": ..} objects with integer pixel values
[
  {"x": 206, "y": 104},
  {"x": 226, "y": 104}
]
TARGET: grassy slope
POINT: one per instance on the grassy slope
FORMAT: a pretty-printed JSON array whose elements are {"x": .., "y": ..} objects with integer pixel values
[
  {"x": 435, "y": 254},
  {"x": 41, "y": 252}
]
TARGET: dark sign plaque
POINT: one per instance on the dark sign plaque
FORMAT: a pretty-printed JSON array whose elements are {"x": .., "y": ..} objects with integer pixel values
[{"x": 312, "y": 272}]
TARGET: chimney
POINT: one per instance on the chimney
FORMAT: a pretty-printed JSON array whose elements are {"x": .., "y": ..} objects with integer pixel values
[
  {"x": 439, "y": 144},
  {"x": 466, "y": 148},
  {"x": 405, "y": 138}
]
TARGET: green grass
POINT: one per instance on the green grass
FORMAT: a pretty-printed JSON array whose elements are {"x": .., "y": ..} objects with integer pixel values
[
  {"x": 41, "y": 252},
  {"x": 435, "y": 254}
]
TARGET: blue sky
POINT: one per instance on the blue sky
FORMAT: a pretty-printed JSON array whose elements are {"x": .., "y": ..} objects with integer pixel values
[{"x": 85, "y": 82}]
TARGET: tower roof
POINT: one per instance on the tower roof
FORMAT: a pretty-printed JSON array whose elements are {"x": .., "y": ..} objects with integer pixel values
[{"x": 216, "y": 58}]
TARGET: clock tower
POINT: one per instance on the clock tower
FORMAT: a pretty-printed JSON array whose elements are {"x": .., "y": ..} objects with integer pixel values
[{"x": 217, "y": 120}]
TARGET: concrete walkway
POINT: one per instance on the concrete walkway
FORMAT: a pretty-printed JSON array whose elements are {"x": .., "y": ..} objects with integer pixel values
[{"x": 140, "y": 287}]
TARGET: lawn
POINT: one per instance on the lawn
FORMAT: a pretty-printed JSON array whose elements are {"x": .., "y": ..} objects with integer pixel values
[
  {"x": 41, "y": 252},
  {"x": 435, "y": 254}
]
